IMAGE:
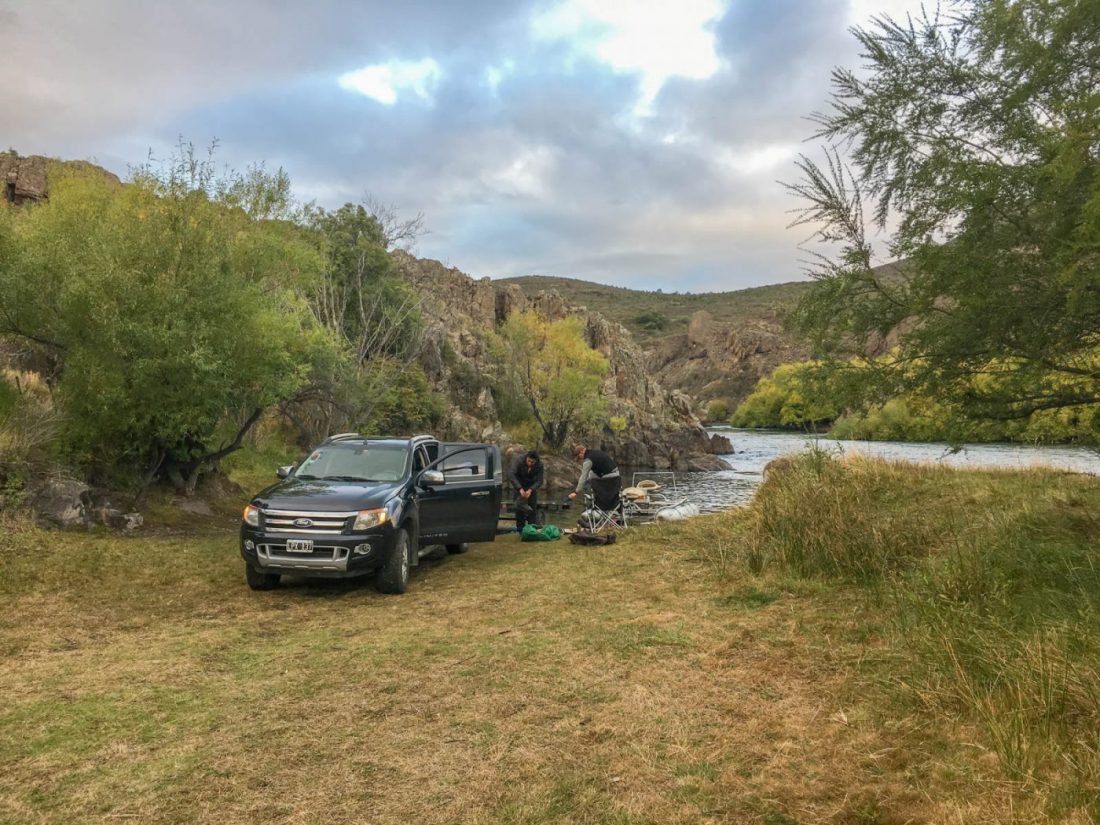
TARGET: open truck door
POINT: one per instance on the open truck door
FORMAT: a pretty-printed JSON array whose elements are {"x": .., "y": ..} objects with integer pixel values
[{"x": 468, "y": 503}]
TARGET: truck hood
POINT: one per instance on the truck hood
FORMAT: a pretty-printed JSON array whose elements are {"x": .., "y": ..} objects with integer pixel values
[{"x": 326, "y": 496}]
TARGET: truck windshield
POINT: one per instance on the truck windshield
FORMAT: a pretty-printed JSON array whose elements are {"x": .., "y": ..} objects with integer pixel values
[{"x": 355, "y": 462}]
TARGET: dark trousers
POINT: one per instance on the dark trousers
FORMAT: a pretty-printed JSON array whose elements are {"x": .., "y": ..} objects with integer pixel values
[{"x": 523, "y": 516}]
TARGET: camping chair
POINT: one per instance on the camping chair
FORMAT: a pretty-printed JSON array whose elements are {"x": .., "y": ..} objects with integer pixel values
[{"x": 604, "y": 506}]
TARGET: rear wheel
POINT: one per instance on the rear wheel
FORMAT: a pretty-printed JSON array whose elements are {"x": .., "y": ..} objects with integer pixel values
[
  {"x": 455, "y": 549},
  {"x": 393, "y": 576},
  {"x": 260, "y": 581}
]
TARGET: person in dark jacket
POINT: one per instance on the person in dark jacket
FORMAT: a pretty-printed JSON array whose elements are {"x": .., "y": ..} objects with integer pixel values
[
  {"x": 600, "y": 472},
  {"x": 527, "y": 476}
]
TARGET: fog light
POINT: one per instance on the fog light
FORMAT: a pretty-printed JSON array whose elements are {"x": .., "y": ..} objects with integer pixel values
[
  {"x": 249, "y": 545},
  {"x": 362, "y": 549}
]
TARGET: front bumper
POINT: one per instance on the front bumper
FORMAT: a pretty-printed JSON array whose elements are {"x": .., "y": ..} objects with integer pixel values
[{"x": 332, "y": 556}]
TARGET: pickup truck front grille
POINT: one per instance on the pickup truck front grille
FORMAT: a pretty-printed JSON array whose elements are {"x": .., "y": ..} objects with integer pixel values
[
  {"x": 296, "y": 521},
  {"x": 321, "y": 558}
]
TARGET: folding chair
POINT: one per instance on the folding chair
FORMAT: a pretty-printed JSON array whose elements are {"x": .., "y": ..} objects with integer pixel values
[{"x": 604, "y": 506}]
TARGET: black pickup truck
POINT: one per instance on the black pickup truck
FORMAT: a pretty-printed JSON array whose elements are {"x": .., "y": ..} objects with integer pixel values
[{"x": 359, "y": 505}]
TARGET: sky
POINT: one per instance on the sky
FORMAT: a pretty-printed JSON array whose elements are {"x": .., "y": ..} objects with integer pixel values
[{"x": 631, "y": 142}]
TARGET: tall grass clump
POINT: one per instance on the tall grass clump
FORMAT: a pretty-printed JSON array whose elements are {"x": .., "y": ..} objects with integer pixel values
[
  {"x": 1003, "y": 629},
  {"x": 817, "y": 516},
  {"x": 28, "y": 430},
  {"x": 991, "y": 580}
]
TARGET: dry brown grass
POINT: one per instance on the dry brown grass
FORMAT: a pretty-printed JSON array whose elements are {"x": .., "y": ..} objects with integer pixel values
[{"x": 516, "y": 684}]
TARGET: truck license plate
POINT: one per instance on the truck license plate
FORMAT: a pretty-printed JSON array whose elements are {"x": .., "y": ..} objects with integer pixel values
[{"x": 299, "y": 545}]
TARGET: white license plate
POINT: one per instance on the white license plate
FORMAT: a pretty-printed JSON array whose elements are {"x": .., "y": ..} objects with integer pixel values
[{"x": 299, "y": 545}]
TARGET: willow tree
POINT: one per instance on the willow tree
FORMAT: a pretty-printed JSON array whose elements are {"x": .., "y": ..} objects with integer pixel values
[
  {"x": 555, "y": 370},
  {"x": 169, "y": 317},
  {"x": 968, "y": 146}
]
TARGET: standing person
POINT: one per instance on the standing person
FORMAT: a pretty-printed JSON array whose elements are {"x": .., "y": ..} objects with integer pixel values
[
  {"x": 599, "y": 471},
  {"x": 527, "y": 476}
]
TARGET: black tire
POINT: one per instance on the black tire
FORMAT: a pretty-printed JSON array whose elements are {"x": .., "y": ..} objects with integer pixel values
[
  {"x": 393, "y": 576},
  {"x": 260, "y": 581},
  {"x": 456, "y": 549}
]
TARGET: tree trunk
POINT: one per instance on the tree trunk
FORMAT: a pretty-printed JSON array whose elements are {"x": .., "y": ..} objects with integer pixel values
[{"x": 158, "y": 459}]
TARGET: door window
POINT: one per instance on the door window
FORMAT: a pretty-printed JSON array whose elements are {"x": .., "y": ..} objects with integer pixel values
[{"x": 467, "y": 465}]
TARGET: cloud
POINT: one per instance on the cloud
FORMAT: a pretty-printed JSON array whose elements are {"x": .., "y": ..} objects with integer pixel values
[
  {"x": 655, "y": 39},
  {"x": 385, "y": 81},
  {"x": 637, "y": 142}
]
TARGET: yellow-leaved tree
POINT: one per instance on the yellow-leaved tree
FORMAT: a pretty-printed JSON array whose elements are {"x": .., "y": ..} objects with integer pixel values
[{"x": 551, "y": 365}]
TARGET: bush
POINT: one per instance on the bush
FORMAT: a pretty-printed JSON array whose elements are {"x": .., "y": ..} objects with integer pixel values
[
  {"x": 652, "y": 320},
  {"x": 792, "y": 397},
  {"x": 28, "y": 434},
  {"x": 718, "y": 410}
]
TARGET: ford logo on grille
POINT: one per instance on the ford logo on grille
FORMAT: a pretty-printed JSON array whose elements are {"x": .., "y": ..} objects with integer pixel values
[{"x": 303, "y": 522}]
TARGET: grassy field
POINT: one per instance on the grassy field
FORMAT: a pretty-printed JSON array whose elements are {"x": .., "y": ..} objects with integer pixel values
[
  {"x": 625, "y": 305},
  {"x": 737, "y": 668}
]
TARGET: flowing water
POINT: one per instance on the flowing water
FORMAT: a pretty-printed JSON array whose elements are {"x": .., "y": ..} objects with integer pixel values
[{"x": 753, "y": 449}]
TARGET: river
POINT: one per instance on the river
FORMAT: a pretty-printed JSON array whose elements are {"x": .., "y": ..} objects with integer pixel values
[{"x": 753, "y": 449}]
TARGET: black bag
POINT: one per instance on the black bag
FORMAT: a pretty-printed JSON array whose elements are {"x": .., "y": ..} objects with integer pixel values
[{"x": 589, "y": 539}]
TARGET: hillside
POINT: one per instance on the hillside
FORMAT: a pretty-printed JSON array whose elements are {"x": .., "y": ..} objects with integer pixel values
[
  {"x": 714, "y": 345},
  {"x": 626, "y": 305}
]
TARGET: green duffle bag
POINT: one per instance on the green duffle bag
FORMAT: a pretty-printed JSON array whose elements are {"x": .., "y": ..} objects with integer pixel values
[{"x": 548, "y": 532}]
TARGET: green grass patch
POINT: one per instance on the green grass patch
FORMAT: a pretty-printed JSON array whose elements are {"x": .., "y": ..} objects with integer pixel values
[
  {"x": 638, "y": 637},
  {"x": 747, "y": 597}
]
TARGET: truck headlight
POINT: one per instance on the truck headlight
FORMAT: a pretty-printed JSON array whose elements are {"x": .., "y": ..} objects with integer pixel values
[
  {"x": 251, "y": 515},
  {"x": 369, "y": 518}
]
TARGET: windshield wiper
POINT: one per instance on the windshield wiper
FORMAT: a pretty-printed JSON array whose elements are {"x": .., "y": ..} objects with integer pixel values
[
  {"x": 345, "y": 478},
  {"x": 306, "y": 477}
]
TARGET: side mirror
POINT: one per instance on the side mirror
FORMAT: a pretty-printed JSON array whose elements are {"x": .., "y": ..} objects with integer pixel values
[
  {"x": 432, "y": 478},
  {"x": 285, "y": 471}
]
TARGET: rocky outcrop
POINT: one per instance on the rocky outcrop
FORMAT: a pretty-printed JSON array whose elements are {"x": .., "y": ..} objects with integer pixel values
[
  {"x": 460, "y": 314},
  {"x": 62, "y": 502},
  {"x": 26, "y": 179},
  {"x": 720, "y": 360}
]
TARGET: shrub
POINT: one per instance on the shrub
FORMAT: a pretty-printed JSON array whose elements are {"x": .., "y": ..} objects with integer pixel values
[
  {"x": 652, "y": 320},
  {"x": 718, "y": 410}
]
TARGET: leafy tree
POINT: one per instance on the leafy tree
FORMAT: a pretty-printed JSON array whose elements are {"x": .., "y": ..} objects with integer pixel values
[
  {"x": 557, "y": 372},
  {"x": 403, "y": 401},
  {"x": 362, "y": 301},
  {"x": 718, "y": 410},
  {"x": 974, "y": 141},
  {"x": 791, "y": 397},
  {"x": 360, "y": 296},
  {"x": 805, "y": 395},
  {"x": 171, "y": 319}
]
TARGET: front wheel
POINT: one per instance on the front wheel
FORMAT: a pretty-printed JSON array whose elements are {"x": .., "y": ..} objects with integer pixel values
[
  {"x": 260, "y": 581},
  {"x": 455, "y": 549},
  {"x": 393, "y": 576}
]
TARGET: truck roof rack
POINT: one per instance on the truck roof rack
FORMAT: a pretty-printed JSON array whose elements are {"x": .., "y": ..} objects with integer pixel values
[{"x": 341, "y": 437}]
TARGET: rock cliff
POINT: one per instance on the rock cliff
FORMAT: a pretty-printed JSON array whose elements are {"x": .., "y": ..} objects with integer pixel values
[
  {"x": 459, "y": 311},
  {"x": 716, "y": 359}
]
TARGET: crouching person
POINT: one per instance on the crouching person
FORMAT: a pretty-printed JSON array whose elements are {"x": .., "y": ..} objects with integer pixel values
[{"x": 527, "y": 476}]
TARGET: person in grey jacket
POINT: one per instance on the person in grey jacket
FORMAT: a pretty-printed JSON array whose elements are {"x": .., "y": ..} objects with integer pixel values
[{"x": 527, "y": 476}]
